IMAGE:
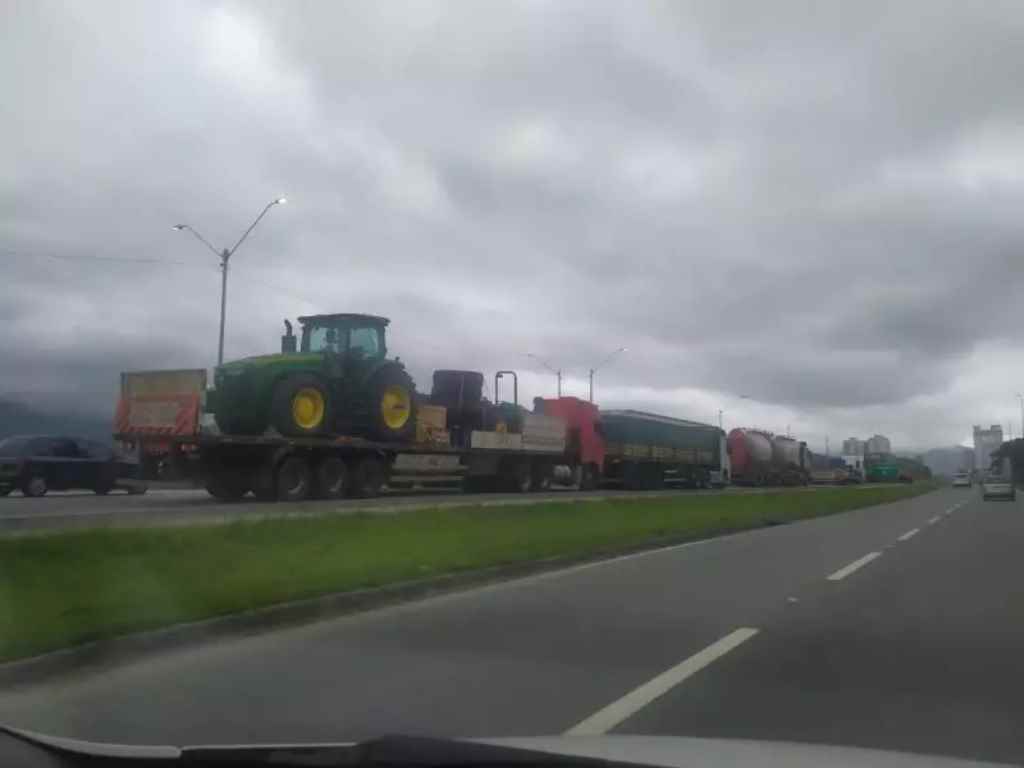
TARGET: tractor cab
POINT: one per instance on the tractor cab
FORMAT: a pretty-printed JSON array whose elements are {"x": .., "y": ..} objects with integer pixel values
[{"x": 348, "y": 335}]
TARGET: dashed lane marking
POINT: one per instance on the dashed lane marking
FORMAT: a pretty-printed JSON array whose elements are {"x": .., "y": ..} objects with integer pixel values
[
  {"x": 846, "y": 570},
  {"x": 615, "y": 713}
]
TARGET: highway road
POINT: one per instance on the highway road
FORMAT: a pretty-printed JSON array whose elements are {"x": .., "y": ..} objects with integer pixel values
[
  {"x": 895, "y": 627},
  {"x": 84, "y": 509}
]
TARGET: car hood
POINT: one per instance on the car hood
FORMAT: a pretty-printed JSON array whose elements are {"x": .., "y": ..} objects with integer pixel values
[
  {"x": 576, "y": 751},
  {"x": 691, "y": 752}
]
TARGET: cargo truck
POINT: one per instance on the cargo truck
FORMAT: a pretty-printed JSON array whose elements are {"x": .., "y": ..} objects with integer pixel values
[
  {"x": 331, "y": 415},
  {"x": 457, "y": 438}
]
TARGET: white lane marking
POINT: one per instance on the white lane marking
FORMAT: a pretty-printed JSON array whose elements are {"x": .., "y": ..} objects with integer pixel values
[
  {"x": 607, "y": 718},
  {"x": 846, "y": 570},
  {"x": 933, "y": 520},
  {"x": 909, "y": 534}
]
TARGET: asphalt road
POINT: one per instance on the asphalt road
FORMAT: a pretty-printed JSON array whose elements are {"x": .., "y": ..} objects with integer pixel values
[
  {"x": 895, "y": 627},
  {"x": 84, "y": 509}
]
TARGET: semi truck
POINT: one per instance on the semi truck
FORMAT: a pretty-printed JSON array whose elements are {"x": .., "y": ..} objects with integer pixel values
[{"x": 330, "y": 416}]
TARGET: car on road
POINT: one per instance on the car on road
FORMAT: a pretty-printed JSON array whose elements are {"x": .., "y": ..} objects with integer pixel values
[
  {"x": 35, "y": 464},
  {"x": 998, "y": 484},
  {"x": 961, "y": 480}
]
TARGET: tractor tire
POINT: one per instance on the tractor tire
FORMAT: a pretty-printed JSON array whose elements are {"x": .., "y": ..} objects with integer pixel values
[
  {"x": 368, "y": 478},
  {"x": 294, "y": 479},
  {"x": 392, "y": 406},
  {"x": 301, "y": 406},
  {"x": 332, "y": 478}
]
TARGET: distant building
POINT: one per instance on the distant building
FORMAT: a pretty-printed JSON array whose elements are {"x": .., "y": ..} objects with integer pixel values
[
  {"x": 853, "y": 446},
  {"x": 986, "y": 441},
  {"x": 877, "y": 444}
]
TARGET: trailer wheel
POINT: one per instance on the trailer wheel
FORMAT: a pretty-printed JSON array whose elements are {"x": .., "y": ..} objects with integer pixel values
[
  {"x": 519, "y": 478},
  {"x": 294, "y": 479},
  {"x": 368, "y": 478},
  {"x": 331, "y": 478},
  {"x": 588, "y": 478},
  {"x": 478, "y": 484},
  {"x": 226, "y": 486},
  {"x": 541, "y": 480}
]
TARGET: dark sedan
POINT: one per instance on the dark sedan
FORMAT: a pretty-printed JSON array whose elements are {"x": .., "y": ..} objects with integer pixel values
[{"x": 37, "y": 464}]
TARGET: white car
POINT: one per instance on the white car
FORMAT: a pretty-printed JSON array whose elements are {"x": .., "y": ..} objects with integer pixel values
[
  {"x": 961, "y": 480},
  {"x": 998, "y": 487}
]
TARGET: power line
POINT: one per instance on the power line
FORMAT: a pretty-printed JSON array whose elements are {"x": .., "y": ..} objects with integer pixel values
[{"x": 92, "y": 257}]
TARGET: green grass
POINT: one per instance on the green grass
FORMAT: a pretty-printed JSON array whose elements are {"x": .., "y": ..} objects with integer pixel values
[{"x": 68, "y": 588}]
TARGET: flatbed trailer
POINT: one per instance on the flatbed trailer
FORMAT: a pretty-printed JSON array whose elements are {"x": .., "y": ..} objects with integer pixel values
[
  {"x": 160, "y": 415},
  {"x": 294, "y": 469}
]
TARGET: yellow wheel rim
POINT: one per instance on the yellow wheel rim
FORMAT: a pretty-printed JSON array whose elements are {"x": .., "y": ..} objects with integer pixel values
[
  {"x": 308, "y": 408},
  {"x": 395, "y": 406}
]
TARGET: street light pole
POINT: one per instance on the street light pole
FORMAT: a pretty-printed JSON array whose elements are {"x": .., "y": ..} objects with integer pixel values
[
  {"x": 595, "y": 368},
  {"x": 720, "y": 412},
  {"x": 557, "y": 372},
  {"x": 1020, "y": 397},
  {"x": 225, "y": 256}
]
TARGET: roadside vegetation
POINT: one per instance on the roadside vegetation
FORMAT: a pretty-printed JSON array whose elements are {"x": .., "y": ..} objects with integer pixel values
[{"x": 70, "y": 588}]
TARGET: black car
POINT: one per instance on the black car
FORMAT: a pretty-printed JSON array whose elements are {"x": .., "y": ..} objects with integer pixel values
[{"x": 37, "y": 464}]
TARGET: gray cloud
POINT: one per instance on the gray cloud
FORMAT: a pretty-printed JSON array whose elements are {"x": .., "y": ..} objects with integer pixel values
[{"x": 817, "y": 207}]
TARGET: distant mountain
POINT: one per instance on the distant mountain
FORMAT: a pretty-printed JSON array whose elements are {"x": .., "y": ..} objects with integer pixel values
[{"x": 17, "y": 418}]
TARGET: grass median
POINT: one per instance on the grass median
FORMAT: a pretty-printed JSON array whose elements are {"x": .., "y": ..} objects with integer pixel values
[{"x": 69, "y": 588}]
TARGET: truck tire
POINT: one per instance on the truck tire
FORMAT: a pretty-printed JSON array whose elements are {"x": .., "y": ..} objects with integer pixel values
[
  {"x": 478, "y": 484},
  {"x": 519, "y": 477},
  {"x": 541, "y": 480},
  {"x": 368, "y": 478},
  {"x": 301, "y": 406},
  {"x": 392, "y": 406},
  {"x": 226, "y": 486},
  {"x": 332, "y": 478},
  {"x": 588, "y": 478},
  {"x": 294, "y": 479}
]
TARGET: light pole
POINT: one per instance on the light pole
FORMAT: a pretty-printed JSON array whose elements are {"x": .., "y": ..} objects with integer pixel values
[
  {"x": 1020, "y": 398},
  {"x": 224, "y": 256},
  {"x": 557, "y": 373},
  {"x": 603, "y": 362},
  {"x": 720, "y": 412}
]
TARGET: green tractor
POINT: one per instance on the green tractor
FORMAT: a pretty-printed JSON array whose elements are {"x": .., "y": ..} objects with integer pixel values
[{"x": 337, "y": 379}]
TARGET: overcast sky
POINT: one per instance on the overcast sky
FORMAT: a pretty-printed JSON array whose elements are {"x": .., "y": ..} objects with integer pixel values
[{"x": 806, "y": 214}]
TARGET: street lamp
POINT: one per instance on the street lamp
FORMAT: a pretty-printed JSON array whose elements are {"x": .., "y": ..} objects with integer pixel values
[
  {"x": 557, "y": 373},
  {"x": 224, "y": 256},
  {"x": 592, "y": 370}
]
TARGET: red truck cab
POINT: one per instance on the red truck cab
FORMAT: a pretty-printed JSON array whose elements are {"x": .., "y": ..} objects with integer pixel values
[{"x": 585, "y": 440}]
